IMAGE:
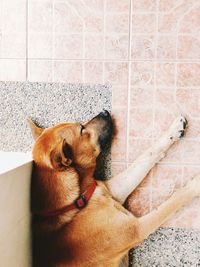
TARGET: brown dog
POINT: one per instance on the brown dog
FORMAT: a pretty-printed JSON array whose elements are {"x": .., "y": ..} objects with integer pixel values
[{"x": 79, "y": 222}]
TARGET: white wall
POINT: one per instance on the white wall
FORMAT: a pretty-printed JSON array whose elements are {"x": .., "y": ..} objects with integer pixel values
[{"x": 15, "y": 214}]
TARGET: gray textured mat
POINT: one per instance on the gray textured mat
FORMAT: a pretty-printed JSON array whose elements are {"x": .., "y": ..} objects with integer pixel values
[
  {"x": 48, "y": 104},
  {"x": 168, "y": 247}
]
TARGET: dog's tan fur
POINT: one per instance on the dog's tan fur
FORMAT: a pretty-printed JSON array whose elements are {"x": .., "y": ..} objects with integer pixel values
[{"x": 101, "y": 233}]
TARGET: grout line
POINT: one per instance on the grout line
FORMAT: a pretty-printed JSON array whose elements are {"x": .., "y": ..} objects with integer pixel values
[
  {"x": 155, "y": 66},
  {"x": 182, "y": 174},
  {"x": 27, "y": 37},
  {"x": 104, "y": 36},
  {"x": 129, "y": 82},
  {"x": 154, "y": 93},
  {"x": 15, "y": 58},
  {"x": 167, "y": 34},
  {"x": 167, "y": 163},
  {"x": 149, "y": 138},
  {"x": 175, "y": 87},
  {"x": 53, "y": 41},
  {"x": 83, "y": 34},
  {"x": 161, "y": 61},
  {"x": 90, "y": 33},
  {"x": 83, "y": 63},
  {"x": 112, "y": 33}
]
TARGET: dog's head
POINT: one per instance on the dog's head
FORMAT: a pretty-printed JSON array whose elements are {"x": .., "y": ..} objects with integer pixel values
[{"x": 72, "y": 143}]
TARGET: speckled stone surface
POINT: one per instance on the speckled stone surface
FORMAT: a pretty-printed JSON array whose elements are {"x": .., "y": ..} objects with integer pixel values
[
  {"x": 47, "y": 104},
  {"x": 168, "y": 247}
]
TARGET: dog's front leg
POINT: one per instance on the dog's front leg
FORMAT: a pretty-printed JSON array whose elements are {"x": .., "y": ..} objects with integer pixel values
[
  {"x": 151, "y": 221},
  {"x": 123, "y": 184}
]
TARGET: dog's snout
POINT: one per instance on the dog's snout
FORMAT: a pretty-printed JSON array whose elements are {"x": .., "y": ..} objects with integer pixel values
[
  {"x": 102, "y": 124},
  {"x": 105, "y": 114}
]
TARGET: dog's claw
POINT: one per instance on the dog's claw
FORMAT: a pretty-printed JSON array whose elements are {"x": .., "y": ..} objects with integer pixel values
[
  {"x": 185, "y": 123},
  {"x": 182, "y": 133}
]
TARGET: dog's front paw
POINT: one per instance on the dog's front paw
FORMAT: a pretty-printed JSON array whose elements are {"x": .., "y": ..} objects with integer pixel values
[{"x": 177, "y": 130}]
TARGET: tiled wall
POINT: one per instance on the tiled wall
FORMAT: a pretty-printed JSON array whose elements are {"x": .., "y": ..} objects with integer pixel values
[{"x": 149, "y": 50}]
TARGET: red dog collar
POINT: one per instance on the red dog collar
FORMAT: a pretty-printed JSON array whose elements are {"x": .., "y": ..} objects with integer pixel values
[{"x": 79, "y": 203}]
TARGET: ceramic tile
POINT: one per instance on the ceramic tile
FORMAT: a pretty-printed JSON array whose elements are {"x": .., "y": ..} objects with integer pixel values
[
  {"x": 165, "y": 74},
  {"x": 142, "y": 73},
  {"x": 143, "y": 47},
  {"x": 191, "y": 152},
  {"x": 95, "y": 6},
  {"x": 13, "y": 16},
  {"x": 189, "y": 101},
  {"x": 166, "y": 177},
  {"x": 187, "y": 217},
  {"x": 137, "y": 147},
  {"x": 166, "y": 47},
  {"x": 116, "y": 72},
  {"x": 190, "y": 23},
  {"x": 40, "y": 45},
  {"x": 172, "y": 14},
  {"x": 193, "y": 130},
  {"x": 163, "y": 119},
  {"x": 168, "y": 5},
  {"x": 40, "y": 16},
  {"x": 119, "y": 96},
  {"x": 68, "y": 46},
  {"x": 117, "y": 6},
  {"x": 94, "y": 48},
  {"x": 189, "y": 172},
  {"x": 94, "y": 23},
  {"x": 12, "y": 70},
  {"x": 141, "y": 97},
  {"x": 68, "y": 71},
  {"x": 89, "y": 15},
  {"x": 116, "y": 47},
  {"x": 141, "y": 122},
  {"x": 40, "y": 70},
  {"x": 144, "y": 5},
  {"x": 66, "y": 19},
  {"x": 90, "y": 12},
  {"x": 117, "y": 23},
  {"x": 167, "y": 23},
  {"x": 143, "y": 23},
  {"x": 166, "y": 110},
  {"x": 93, "y": 72},
  {"x": 188, "y": 47},
  {"x": 188, "y": 74},
  {"x": 8, "y": 50},
  {"x": 118, "y": 149}
]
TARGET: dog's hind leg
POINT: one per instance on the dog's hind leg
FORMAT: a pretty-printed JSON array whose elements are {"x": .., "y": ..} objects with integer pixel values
[
  {"x": 148, "y": 223},
  {"x": 123, "y": 184}
]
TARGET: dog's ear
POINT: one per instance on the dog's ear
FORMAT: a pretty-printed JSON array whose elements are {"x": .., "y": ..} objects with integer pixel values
[
  {"x": 61, "y": 156},
  {"x": 35, "y": 129}
]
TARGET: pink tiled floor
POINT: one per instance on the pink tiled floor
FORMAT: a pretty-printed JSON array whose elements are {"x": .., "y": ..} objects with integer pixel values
[{"x": 148, "y": 50}]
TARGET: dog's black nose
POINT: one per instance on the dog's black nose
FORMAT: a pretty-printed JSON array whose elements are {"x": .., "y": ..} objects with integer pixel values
[{"x": 105, "y": 114}]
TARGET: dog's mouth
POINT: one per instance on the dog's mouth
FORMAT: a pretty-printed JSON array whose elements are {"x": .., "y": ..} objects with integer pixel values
[{"x": 104, "y": 127}]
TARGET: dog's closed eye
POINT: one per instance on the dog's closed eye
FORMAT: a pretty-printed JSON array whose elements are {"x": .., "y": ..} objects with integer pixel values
[{"x": 82, "y": 129}]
